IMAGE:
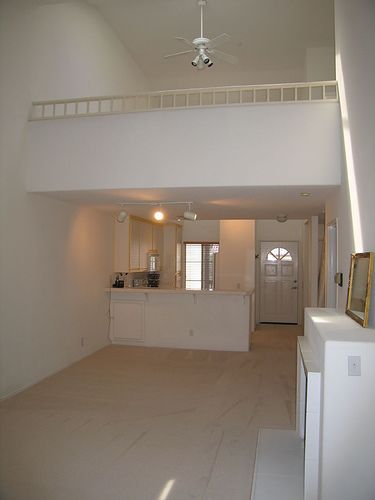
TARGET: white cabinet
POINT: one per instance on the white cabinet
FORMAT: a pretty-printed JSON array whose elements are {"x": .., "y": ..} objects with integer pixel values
[
  {"x": 127, "y": 320},
  {"x": 145, "y": 243},
  {"x": 157, "y": 238},
  {"x": 133, "y": 239},
  {"x": 121, "y": 247},
  {"x": 134, "y": 244},
  {"x": 171, "y": 275}
]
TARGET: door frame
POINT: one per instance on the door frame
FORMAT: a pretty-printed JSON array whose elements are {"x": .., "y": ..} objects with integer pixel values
[
  {"x": 300, "y": 278},
  {"x": 332, "y": 264}
]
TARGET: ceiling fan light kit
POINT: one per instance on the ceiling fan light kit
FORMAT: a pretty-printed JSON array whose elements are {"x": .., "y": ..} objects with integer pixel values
[{"x": 205, "y": 48}]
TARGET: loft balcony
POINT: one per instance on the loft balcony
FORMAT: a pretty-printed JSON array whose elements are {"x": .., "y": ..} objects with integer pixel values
[{"x": 275, "y": 135}]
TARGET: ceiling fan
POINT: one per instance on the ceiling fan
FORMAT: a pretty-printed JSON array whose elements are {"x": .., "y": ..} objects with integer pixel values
[{"x": 204, "y": 48}]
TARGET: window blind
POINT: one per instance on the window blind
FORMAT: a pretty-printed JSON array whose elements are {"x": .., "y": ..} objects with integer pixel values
[{"x": 200, "y": 265}]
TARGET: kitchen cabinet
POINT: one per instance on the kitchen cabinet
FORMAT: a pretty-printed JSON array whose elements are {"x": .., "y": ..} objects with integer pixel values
[
  {"x": 172, "y": 242},
  {"x": 127, "y": 320},
  {"x": 145, "y": 242},
  {"x": 121, "y": 247},
  {"x": 133, "y": 239}
]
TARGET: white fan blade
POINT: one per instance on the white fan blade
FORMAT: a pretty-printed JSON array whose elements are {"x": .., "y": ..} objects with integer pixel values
[
  {"x": 218, "y": 40},
  {"x": 178, "y": 53},
  {"x": 225, "y": 57},
  {"x": 184, "y": 40}
]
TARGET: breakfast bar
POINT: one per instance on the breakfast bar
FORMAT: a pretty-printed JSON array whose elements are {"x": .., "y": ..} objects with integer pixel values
[{"x": 180, "y": 318}]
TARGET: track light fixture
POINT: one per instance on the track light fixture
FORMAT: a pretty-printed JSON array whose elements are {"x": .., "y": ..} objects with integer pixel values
[{"x": 159, "y": 214}]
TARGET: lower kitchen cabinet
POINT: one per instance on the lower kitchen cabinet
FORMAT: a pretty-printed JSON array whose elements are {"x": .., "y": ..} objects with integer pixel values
[{"x": 127, "y": 320}]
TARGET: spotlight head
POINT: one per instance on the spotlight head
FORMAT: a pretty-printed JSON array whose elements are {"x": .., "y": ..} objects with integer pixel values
[
  {"x": 205, "y": 59},
  {"x": 190, "y": 215},
  {"x": 121, "y": 216},
  {"x": 195, "y": 61},
  {"x": 210, "y": 63}
]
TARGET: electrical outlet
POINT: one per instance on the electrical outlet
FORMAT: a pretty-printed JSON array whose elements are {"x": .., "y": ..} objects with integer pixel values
[
  {"x": 354, "y": 366},
  {"x": 82, "y": 341}
]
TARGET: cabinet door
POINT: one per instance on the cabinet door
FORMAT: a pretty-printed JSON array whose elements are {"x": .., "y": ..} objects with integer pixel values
[
  {"x": 135, "y": 232},
  {"x": 178, "y": 283},
  {"x": 145, "y": 243},
  {"x": 157, "y": 238},
  {"x": 121, "y": 247},
  {"x": 128, "y": 320},
  {"x": 169, "y": 256}
]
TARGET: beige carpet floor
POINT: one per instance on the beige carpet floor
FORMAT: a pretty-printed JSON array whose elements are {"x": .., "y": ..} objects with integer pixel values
[{"x": 134, "y": 423}]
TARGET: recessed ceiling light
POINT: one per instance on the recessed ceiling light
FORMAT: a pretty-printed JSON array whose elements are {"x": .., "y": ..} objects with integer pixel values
[
  {"x": 305, "y": 194},
  {"x": 281, "y": 218}
]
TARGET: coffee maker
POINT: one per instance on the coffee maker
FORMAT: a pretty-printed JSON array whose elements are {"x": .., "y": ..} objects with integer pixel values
[{"x": 153, "y": 269}]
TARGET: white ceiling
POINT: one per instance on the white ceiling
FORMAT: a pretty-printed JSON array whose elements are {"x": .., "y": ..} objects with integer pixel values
[
  {"x": 211, "y": 203},
  {"x": 270, "y": 37}
]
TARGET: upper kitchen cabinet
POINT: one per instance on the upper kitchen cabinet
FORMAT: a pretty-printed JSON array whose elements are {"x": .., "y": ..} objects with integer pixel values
[
  {"x": 121, "y": 246},
  {"x": 171, "y": 275},
  {"x": 145, "y": 243},
  {"x": 133, "y": 239}
]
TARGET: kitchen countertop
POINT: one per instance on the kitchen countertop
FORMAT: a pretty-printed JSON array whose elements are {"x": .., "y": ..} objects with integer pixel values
[{"x": 179, "y": 291}]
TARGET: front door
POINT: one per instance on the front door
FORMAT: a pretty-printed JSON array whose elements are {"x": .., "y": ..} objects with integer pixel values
[{"x": 279, "y": 282}]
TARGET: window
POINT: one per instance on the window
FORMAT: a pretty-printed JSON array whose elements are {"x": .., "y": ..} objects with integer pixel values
[
  {"x": 279, "y": 254},
  {"x": 200, "y": 265}
]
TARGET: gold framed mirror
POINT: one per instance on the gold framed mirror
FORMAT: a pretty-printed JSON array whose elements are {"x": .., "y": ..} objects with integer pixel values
[{"x": 359, "y": 288}]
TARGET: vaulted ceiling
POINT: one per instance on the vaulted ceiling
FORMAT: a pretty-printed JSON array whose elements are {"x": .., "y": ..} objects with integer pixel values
[{"x": 270, "y": 37}]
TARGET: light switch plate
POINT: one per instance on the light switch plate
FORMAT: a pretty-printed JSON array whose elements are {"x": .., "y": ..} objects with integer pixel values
[{"x": 354, "y": 366}]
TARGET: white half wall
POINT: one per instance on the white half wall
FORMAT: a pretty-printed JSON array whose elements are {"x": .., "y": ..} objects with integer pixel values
[{"x": 278, "y": 144}]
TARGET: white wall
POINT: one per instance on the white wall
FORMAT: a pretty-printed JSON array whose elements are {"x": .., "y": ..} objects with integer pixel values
[
  {"x": 201, "y": 230},
  {"x": 75, "y": 53},
  {"x": 55, "y": 257},
  {"x": 355, "y": 66},
  {"x": 279, "y": 144},
  {"x": 272, "y": 230},
  {"x": 236, "y": 259}
]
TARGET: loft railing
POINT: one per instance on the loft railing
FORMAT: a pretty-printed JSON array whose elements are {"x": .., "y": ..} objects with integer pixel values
[{"x": 183, "y": 99}]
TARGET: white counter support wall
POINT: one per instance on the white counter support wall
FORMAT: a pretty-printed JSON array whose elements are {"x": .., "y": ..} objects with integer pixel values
[
  {"x": 347, "y": 404},
  {"x": 182, "y": 319}
]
